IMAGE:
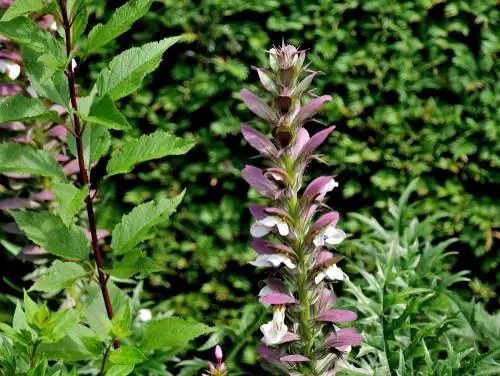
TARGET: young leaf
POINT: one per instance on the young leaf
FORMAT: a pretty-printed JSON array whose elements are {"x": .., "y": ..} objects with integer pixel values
[
  {"x": 156, "y": 145},
  {"x": 171, "y": 332},
  {"x": 60, "y": 275},
  {"x": 104, "y": 112},
  {"x": 133, "y": 263},
  {"x": 49, "y": 232},
  {"x": 120, "y": 22},
  {"x": 59, "y": 325},
  {"x": 70, "y": 199},
  {"x": 53, "y": 86},
  {"x": 136, "y": 225},
  {"x": 127, "y": 70},
  {"x": 20, "y": 8},
  {"x": 27, "y": 33},
  {"x": 19, "y": 108},
  {"x": 121, "y": 322},
  {"x": 127, "y": 355},
  {"x": 15, "y": 157}
]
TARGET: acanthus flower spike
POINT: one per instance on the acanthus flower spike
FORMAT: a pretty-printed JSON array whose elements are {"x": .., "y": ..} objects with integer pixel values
[{"x": 291, "y": 237}]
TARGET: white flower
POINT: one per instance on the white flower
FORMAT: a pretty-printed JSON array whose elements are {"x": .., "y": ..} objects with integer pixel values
[
  {"x": 11, "y": 69},
  {"x": 333, "y": 273},
  {"x": 330, "y": 236},
  {"x": 328, "y": 187},
  {"x": 273, "y": 260},
  {"x": 264, "y": 226},
  {"x": 53, "y": 26},
  {"x": 275, "y": 330},
  {"x": 144, "y": 315},
  {"x": 73, "y": 64}
]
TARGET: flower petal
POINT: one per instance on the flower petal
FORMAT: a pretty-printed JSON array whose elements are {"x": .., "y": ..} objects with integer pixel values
[
  {"x": 9, "y": 89},
  {"x": 277, "y": 299},
  {"x": 258, "y": 141},
  {"x": 301, "y": 140},
  {"x": 343, "y": 337},
  {"x": 330, "y": 218},
  {"x": 337, "y": 315},
  {"x": 258, "y": 107},
  {"x": 319, "y": 187},
  {"x": 310, "y": 109},
  {"x": 315, "y": 142},
  {"x": 255, "y": 177},
  {"x": 294, "y": 358}
]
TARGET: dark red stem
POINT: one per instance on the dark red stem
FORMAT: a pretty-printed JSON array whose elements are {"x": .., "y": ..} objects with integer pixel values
[{"x": 84, "y": 175}]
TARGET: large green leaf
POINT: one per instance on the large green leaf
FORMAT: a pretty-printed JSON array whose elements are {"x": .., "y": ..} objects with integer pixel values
[
  {"x": 27, "y": 33},
  {"x": 50, "y": 232},
  {"x": 104, "y": 112},
  {"x": 60, "y": 275},
  {"x": 156, "y": 145},
  {"x": 70, "y": 199},
  {"x": 120, "y": 22},
  {"x": 127, "y": 70},
  {"x": 21, "y": 7},
  {"x": 51, "y": 85},
  {"x": 171, "y": 332},
  {"x": 20, "y": 158},
  {"x": 133, "y": 263},
  {"x": 135, "y": 226},
  {"x": 19, "y": 108}
]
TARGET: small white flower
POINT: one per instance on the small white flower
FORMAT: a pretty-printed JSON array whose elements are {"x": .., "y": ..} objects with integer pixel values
[
  {"x": 264, "y": 226},
  {"x": 53, "y": 26},
  {"x": 333, "y": 273},
  {"x": 330, "y": 236},
  {"x": 273, "y": 260},
  {"x": 275, "y": 330},
  {"x": 11, "y": 69},
  {"x": 144, "y": 315},
  {"x": 328, "y": 187},
  {"x": 73, "y": 64}
]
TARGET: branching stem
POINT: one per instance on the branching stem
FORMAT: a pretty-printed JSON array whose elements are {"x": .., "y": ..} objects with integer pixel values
[{"x": 84, "y": 175}]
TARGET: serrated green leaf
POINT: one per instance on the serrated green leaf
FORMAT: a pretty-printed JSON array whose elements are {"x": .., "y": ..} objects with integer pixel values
[
  {"x": 120, "y": 22},
  {"x": 50, "y": 84},
  {"x": 67, "y": 349},
  {"x": 60, "y": 275},
  {"x": 171, "y": 332},
  {"x": 156, "y": 145},
  {"x": 79, "y": 16},
  {"x": 134, "y": 262},
  {"x": 127, "y": 70},
  {"x": 50, "y": 233},
  {"x": 19, "y": 158},
  {"x": 21, "y": 108},
  {"x": 70, "y": 200},
  {"x": 135, "y": 226},
  {"x": 25, "y": 32},
  {"x": 20, "y": 8},
  {"x": 127, "y": 355},
  {"x": 104, "y": 112},
  {"x": 30, "y": 308}
]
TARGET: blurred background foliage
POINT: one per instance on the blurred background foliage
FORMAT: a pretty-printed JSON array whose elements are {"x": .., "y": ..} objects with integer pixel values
[
  {"x": 416, "y": 93},
  {"x": 416, "y": 88}
]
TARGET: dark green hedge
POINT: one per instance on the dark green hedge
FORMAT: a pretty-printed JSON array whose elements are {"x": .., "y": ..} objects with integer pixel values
[{"x": 416, "y": 91}]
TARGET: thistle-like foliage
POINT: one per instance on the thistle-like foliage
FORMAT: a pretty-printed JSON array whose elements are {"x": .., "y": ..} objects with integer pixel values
[{"x": 302, "y": 338}]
